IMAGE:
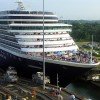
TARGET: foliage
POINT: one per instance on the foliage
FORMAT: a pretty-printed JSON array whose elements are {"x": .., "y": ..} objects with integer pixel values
[{"x": 82, "y": 31}]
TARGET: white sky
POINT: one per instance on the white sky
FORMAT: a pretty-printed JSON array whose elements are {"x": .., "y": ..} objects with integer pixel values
[{"x": 64, "y": 9}]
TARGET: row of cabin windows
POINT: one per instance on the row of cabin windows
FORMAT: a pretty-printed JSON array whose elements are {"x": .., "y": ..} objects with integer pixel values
[
  {"x": 26, "y": 17},
  {"x": 49, "y": 33},
  {"x": 10, "y": 43},
  {"x": 8, "y": 33},
  {"x": 4, "y": 22},
  {"x": 4, "y": 27},
  {"x": 32, "y": 33},
  {"x": 40, "y": 40},
  {"x": 38, "y": 27},
  {"x": 48, "y": 53},
  {"x": 48, "y": 46},
  {"x": 7, "y": 37},
  {"x": 25, "y": 12},
  {"x": 25, "y": 22},
  {"x": 35, "y": 22}
]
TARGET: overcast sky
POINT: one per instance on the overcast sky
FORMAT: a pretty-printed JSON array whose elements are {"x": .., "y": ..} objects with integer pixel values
[{"x": 64, "y": 9}]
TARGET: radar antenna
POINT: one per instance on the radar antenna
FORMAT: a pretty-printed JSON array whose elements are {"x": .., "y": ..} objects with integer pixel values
[{"x": 20, "y": 5}]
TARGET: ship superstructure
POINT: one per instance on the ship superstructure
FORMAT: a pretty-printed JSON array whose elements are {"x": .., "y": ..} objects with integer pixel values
[{"x": 23, "y": 30}]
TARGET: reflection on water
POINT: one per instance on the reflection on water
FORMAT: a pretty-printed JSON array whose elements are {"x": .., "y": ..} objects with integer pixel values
[{"x": 85, "y": 89}]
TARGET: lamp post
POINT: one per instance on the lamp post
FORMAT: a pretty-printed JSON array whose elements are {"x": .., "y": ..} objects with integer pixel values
[
  {"x": 43, "y": 51},
  {"x": 91, "y": 48},
  {"x": 57, "y": 82}
]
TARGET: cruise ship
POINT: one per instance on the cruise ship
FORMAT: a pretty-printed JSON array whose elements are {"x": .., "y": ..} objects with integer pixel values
[{"x": 21, "y": 45}]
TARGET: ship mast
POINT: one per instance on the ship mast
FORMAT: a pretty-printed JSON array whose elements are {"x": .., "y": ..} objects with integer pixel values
[{"x": 20, "y": 5}]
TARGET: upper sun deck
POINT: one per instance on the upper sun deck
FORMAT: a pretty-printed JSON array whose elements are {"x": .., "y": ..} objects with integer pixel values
[
  {"x": 25, "y": 12},
  {"x": 14, "y": 15}
]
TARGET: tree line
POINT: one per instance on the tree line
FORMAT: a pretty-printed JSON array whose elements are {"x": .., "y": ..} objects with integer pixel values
[{"x": 83, "y": 31}]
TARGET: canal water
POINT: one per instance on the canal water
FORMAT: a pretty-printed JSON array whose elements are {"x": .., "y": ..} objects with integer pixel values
[{"x": 85, "y": 89}]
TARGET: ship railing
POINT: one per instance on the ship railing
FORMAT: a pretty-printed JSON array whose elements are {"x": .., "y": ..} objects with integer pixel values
[
  {"x": 65, "y": 57},
  {"x": 73, "y": 59}
]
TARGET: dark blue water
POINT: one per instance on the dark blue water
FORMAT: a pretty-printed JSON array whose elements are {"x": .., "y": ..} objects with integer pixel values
[{"x": 85, "y": 89}]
